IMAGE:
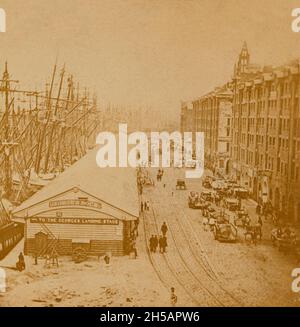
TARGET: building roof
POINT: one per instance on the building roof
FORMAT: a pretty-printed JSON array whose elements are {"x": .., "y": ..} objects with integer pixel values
[{"x": 115, "y": 186}]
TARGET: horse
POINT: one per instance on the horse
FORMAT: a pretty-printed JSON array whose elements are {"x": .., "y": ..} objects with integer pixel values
[{"x": 254, "y": 231}]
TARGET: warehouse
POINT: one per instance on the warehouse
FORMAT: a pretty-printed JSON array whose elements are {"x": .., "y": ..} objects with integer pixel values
[{"x": 86, "y": 207}]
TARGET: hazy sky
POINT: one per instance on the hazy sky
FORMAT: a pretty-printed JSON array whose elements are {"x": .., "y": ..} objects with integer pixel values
[{"x": 148, "y": 52}]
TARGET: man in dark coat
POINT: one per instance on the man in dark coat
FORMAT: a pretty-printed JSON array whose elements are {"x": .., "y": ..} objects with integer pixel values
[
  {"x": 160, "y": 244},
  {"x": 155, "y": 243},
  {"x": 164, "y": 228},
  {"x": 165, "y": 244},
  {"x": 151, "y": 243}
]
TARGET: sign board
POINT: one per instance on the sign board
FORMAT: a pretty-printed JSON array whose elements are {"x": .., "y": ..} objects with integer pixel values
[
  {"x": 75, "y": 203},
  {"x": 81, "y": 221}
]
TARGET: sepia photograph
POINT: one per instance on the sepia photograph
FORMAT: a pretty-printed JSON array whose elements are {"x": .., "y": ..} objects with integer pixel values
[{"x": 149, "y": 155}]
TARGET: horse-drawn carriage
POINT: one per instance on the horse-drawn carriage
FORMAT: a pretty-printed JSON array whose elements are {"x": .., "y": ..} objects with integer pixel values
[
  {"x": 253, "y": 232},
  {"x": 225, "y": 232},
  {"x": 207, "y": 196},
  {"x": 195, "y": 202},
  {"x": 242, "y": 218},
  {"x": 285, "y": 239},
  {"x": 231, "y": 204},
  {"x": 180, "y": 184},
  {"x": 241, "y": 192},
  {"x": 207, "y": 182}
]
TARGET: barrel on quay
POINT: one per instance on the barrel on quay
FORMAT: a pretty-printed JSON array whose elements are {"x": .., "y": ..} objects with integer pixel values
[{"x": 85, "y": 207}]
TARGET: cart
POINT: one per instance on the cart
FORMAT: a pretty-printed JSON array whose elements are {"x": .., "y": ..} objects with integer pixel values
[{"x": 180, "y": 184}]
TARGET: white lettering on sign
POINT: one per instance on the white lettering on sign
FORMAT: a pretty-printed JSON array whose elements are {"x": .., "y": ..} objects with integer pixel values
[
  {"x": 83, "y": 221},
  {"x": 74, "y": 202}
]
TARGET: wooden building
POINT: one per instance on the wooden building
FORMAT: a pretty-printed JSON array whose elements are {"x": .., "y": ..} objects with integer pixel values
[
  {"x": 86, "y": 207},
  {"x": 10, "y": 232}
]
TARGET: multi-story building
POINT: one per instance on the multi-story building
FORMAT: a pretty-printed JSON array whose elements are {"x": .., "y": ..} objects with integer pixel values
[
  {"x": 211, "y": 114},
  {"x": 255, "y": 121},
  {"x": 265, "y": 132},
  {"x": 187, "y": 117}
]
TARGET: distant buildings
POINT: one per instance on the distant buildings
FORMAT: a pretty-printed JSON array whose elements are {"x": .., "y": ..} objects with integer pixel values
[
  {"x": 212, "y": 115},
  {"x": 264, "y": 132}
]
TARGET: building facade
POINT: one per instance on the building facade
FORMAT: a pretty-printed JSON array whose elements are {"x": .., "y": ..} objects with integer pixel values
[
  {"x": 265, "y": 134},
  {"x": 252, "y": 132},
  {"x": 211, "y": 114}
]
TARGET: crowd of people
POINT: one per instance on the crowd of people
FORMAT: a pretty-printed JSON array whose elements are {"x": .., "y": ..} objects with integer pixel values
[{"x": 159, "y": 241}]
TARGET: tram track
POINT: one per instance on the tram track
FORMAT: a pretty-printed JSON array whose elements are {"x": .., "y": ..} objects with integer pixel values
[
  {"x": 188, "y": 263},
  {"x": 163, "y": 269},
  {"x": 197, "y": 260},
  {"x": 187, "y": 276}
]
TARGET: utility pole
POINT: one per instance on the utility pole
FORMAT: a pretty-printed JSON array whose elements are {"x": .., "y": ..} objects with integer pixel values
[{"x": 7, "y": 143}]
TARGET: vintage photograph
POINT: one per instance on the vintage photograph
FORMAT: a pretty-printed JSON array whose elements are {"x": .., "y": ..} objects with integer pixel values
[{"x": 149, "y": 153}]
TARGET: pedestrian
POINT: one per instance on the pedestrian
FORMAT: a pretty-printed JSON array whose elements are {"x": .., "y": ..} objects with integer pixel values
[
  {"x": 36, "y": 258},
  {"x": 258, "y": 209},
  {"x": 134, "y": 251},
  {"x": 148, "y": 205},
  {"x": 164, "y": 244},
  {"x": 164, "y": 228},
  {"x": 164, "y": 185},
  {"x": 21, "y": 261},
  {"x": 54, "y": 257},
  {"x": 260, "y": 220},
  {"x": 155, "y": 243},
  {"x": 151, "y": 243},
  {"x": 173, "y": 297},
  {"x": 142, "y": 206},
  {"x": 160, "y": 244},
  {"x": 136, "y": 226},
  {"x": 240, "y": 202},
  {"x": 145, "y": 206},
  {"x": 106, "y": 259}
]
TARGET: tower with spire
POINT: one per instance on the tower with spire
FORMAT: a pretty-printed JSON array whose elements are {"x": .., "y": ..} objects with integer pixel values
[{"x": 243, "y": 61}]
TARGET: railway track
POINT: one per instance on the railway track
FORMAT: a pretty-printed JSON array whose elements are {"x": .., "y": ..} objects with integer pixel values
[
  {"x": 189, "y": 245},
  {"x": 161, "y": 265},
  {"x": 187, "y": 261}
]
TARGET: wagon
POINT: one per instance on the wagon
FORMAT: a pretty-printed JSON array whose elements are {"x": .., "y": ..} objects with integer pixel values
[
  {"x": 197, "y": 203},
  {"x": 207, "y": 195},
  {"x": 225, "y": 232},
  {"x": 207, "y": 181},
  {"x": 285, "y": 241},
  {"x": 241, "y": 192},
  {"x": 241, "y": 218},
  {"x": 180, "y": 184},
  {"x": 232, "y": 204}
]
